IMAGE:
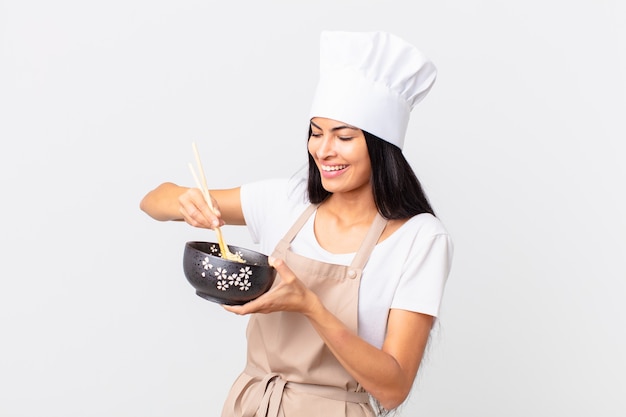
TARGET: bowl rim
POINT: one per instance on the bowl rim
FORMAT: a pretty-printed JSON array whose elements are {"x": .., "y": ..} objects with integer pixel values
[{"x": 190, "y": 244}]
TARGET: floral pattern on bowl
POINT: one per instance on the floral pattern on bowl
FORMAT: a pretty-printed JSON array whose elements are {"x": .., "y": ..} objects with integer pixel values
[{"x": 223, "y": 281}]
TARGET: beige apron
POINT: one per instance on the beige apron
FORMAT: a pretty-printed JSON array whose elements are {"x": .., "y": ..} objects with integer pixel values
[{"x": 290, "y": 371}]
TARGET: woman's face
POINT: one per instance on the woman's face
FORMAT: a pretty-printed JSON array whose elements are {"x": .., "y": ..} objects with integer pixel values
[{"x": 340, "y": 153}]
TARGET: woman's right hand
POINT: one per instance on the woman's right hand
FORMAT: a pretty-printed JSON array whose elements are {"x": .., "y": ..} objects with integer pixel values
[
  {"x": 195, "y": 210},
  {"x": 169, "y": 201}
]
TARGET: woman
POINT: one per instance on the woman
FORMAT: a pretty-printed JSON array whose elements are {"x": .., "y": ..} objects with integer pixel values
[{"x": 362, "y": 260}]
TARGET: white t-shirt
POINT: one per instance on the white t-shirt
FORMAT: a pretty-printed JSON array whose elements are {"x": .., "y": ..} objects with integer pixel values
[{"x": 408, "y": 270}]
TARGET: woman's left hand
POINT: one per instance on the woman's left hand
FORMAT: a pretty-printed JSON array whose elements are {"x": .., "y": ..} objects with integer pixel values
[{"x": 289, "y": 294}]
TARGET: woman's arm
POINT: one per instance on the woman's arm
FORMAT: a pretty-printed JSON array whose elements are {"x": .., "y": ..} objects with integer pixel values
[
  {"x": 169, "y": 201},
  {"x": 387, "y": 373},
  {"x": 162, "y": 203}
]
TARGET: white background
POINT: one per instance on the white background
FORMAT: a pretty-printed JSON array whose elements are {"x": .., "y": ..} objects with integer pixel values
[{"x": 520, "y": 146}]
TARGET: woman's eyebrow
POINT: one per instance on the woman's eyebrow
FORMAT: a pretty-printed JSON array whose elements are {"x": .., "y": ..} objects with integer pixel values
[
  {"x": 336, "y": 127},
  {"x": 313, "y": 124},
  {"x": 343, "y": 127}
]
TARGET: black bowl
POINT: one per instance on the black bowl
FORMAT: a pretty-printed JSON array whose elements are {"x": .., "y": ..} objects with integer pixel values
[{"x": 223, "y": 281}]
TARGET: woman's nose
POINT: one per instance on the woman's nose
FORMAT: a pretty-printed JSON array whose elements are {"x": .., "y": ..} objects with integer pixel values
[{"x": 325, "y": 148}]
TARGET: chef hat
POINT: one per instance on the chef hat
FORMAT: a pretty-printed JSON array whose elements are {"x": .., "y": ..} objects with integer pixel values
[{"x": 371, "y": 80}]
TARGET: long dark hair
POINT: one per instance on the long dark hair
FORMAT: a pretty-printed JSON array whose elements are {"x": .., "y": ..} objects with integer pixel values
[{"x": 398, "y": 193}]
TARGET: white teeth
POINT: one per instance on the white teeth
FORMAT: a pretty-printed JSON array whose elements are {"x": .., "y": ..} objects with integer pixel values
[{"x": 333, "y": 167}]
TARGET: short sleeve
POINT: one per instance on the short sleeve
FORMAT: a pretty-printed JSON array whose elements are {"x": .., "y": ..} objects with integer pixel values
[
  {"x": 424, "y": 275},
  {"x": 257, "y": 200},
  {"x": 270, "y": 207}
]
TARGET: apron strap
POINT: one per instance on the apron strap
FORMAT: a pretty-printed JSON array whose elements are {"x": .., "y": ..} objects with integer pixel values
[
  {"x": 268, "y": 392},
  {"x": 266, "y": 395},
  {"x": 298, "y": 224},
  {"x": 285, "y": 242},
  {"x": 368, "y": 244},
  {"x": 362, "y": 255}
]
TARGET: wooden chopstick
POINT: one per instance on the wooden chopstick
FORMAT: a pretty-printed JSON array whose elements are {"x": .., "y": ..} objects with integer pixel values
[
  {"x": 204, "y": 187},
  {"x": 226, "y": 254}
]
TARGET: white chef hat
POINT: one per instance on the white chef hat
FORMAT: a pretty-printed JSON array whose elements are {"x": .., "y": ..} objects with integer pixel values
[{"x": 371, "y": 80}]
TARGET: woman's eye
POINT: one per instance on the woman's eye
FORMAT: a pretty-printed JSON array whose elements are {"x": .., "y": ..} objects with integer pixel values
[
  {"x": 316, "y": 135},
  {"x": 345, "y": 137}
]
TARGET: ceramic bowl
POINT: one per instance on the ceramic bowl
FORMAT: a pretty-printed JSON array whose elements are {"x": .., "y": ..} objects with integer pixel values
[{"x": 223, "y": 281}]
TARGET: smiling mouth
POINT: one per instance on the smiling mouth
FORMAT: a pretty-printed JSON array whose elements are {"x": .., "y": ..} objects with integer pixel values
[{"x": 330, "y": 168}]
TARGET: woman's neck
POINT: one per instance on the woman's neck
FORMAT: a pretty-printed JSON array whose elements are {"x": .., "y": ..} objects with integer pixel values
[
  {"x": 341, "y": 223},
  {"x": 350, "y": 210}
]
